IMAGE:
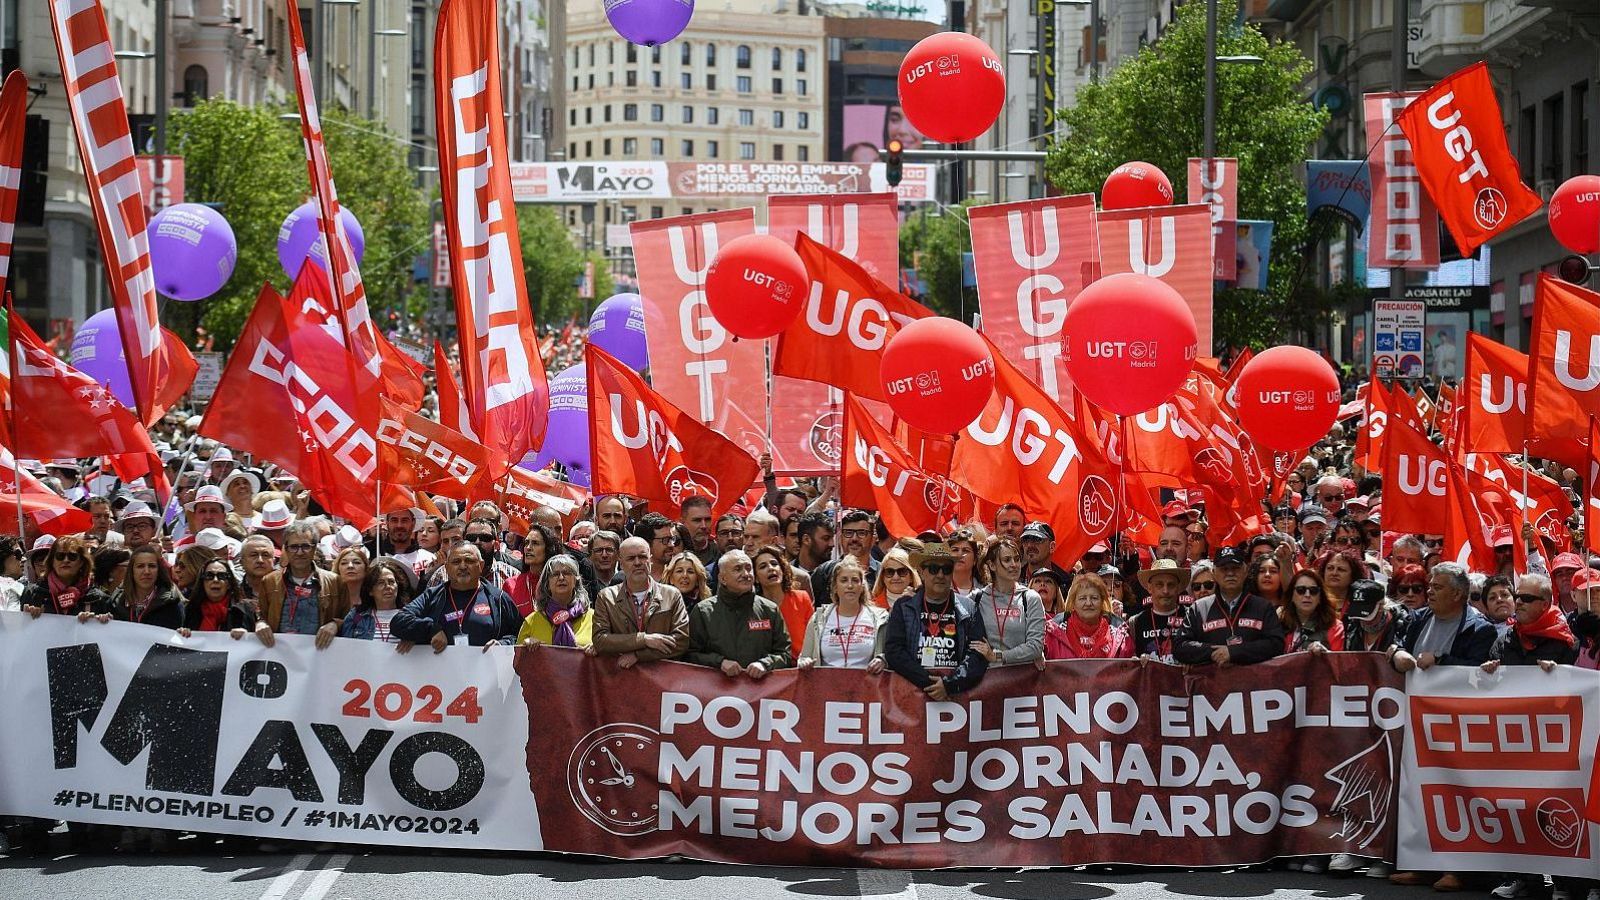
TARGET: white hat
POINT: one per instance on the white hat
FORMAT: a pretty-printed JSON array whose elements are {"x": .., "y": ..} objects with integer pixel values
[
  {"x": 208, "y": 493},
  {"x": 42, "y": 542},
  {"x": 138, "y": 509},
  {"x": 69, "y": 465},
  {"x": 246, "y": 474},
  {"x": 347, "y": 536},
  {"x": 274, "y": 515},
  {"x": 214, "y": 539},
  {"x": 221, "y": 454},
  {"x": 192, "y": 423}
]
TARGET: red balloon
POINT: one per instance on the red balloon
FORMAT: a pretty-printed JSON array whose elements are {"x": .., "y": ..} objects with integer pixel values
[
  {"x": 1128, "y": 342},
  {"x": 938, "y": 374},
  {"x": 1575, "y": 214},
  {"x": 756, "y": 286},
  {"x": 1135, "y": 184},
  {"x": 952, "y": 86},
  {"x": 1288, "y": 398}
]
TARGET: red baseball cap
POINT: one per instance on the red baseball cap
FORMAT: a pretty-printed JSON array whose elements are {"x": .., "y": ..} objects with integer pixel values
[
  {"x": 1585, "y": 578},
  {"x": 1567, "y": 562}
]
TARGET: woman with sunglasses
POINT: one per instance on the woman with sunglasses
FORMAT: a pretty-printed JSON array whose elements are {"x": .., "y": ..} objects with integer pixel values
[
  {"x": 216, "y": 602},
  {"x": 1202, "y": 580},
  {"x": 385, "y": 589},
  {"x": 896, "y": 578},
  {"x": 1310, "y": 623},
  {"x": 147, "y": 595},
  {"x": 186, "y": 566},
  {"x": 1013, "y": 614},
  {"x": 1339, "y": 568},
  {"x": 65, "y": 588},
  {"x": 11, "y": 586},
  {"x": 1409, "y": 585},
  {"x": 775, "y": 581}
]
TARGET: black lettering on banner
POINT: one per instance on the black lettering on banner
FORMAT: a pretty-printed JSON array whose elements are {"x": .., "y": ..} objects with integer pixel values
[
  {"x": 264, "y": 679},
  {"x": 173, "y": 705},
  {"x": 469, "y": 771},
  {"x": 77, "y": 679},
  {"x": 353, "y": 765},
  {"x": 277, "y": 740}
]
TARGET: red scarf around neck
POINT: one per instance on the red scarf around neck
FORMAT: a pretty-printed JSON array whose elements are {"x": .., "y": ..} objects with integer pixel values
[
  {"x": 1089, "y": 642},
  {"x": 1550, "y": 624}
]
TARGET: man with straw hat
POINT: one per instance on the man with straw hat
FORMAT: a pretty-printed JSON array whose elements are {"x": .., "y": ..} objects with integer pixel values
[{"x": 1153, "y": 626}]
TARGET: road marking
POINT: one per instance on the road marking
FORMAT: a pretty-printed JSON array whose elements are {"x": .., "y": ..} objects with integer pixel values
[
  {"x": 280, "y": 886},
  {"x": 887, "y": 883},
  {"x": 324, "y": 881}
]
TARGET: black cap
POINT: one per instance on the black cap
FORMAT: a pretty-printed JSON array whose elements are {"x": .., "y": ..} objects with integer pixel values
[
  {"x": 1047, "y": 572},
  {"x": 1038, "y": 531},
  {"x": 1230, "y": 556},
  {"x": 1264, "y": 540},
  {"x": 1285, "y": 512},
  {"x": 1366, "y": 595}
]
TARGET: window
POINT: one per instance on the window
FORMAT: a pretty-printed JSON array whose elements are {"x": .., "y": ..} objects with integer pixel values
[
  {"x": 1527, "y": 130},
  {"x": 591, "y": 54},
  {"x": 711, "y": 81},
  {"x": 777, "y": 58},
  {"x": 741, "y": 56},
  {"x": 658, "y": 113},
  {"x": 803, "y": 153},
  {"x": 686, "y": 148},
  {"x": 747, "y": 117},
  {"x": 591, "y": 81},
  {"x": 588, "y": 115},
  {"x": 657, "y": 147},
  {"x": 685, "y": 53},
  {"x": 196, "y": 85},
  {"x": 711, "y": 115},
  {"x": 655, "y": 55},
  {"x": 688, "y": 115},
  {"x": 611, "y": 79},
  {"x": 611, "y": 52},
  {"x": 777, "y": 85},
  {"x": 687, "y": 211},
  {"x": 742, "y": 84},
  {"x": 588, "y": 149},
  {"x": 574, "y": 82},
  {"x": 711, "y": 60},
  {"x": 633, "y": 52},
  {"x": 777, "y": 118},
  {"x": 1552, "y": 163},
  {"x": 747, "y": 150},
  {"x": 630, "y": 78},
  {"x": 1580, "y": 127},
  {"x": 711, "y": 149},
  {"x": 684, "y": 80},
  {"x": 657, "y": 212},
  {"x": 630, "y": 112},
  {"x": 572, "y": 116},
  {"x": 777, "y": 152},
  {"x": 800, "y": 60},
  {"x": 608, "y": 112},
  {"x": 655, "y": 78},
  {"x": 800, "y": 86},
  {"x": 572, "y": 150},
  {"x": 802, "y": 120},
  {"x": 574, "y": 56},
  {"x": 605, "y": 146},
  {"x": 630, "y": 146}
]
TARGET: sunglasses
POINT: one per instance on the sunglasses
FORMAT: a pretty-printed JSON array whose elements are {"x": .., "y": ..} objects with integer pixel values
[
  {"x": 1411, "y": 589},
  {"x": 480, "y": 538},
  {"x": 1336, "y": 497},
  {"x": 670, "y": 540},
  {"x": 897, "y": 573},
  {"x": 1307, "y": 590},
  {"x": 214, "y": 576},
  {"x": 1203, "y": 585},
  {"x": 1530, "y": 598},
  {"x": 939, "y": 569}
]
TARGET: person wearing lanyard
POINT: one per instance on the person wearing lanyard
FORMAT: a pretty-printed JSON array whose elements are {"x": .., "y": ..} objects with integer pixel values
[
  {"x": 932, "y": 631},
  {"x": 638, "y": 619},
  {"x": 302, "y": 598},
  {"x": 1153, "y": 626},
  {"x": 1231, "y": 627},
  {"x": 847, "y": 633},
  {"x": 1013, "y": 614},
  {"x": 463, "y": 611}
]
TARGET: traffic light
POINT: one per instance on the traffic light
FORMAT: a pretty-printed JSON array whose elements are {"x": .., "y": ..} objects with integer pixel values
[
  {"x": 892, "y": 171},
  {"x": 1574, "y": 270}
]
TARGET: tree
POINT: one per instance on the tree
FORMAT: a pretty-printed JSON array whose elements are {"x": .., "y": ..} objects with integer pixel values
[
  {"x": 1151, "y": 108},
  {"x": 249, "y": 162},
  {"x": 553, "y": 267},
  {"x": 932, "y": 242}
]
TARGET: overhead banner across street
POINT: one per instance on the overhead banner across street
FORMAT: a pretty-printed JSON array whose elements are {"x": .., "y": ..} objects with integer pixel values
[{"x": 582, "y": 182}]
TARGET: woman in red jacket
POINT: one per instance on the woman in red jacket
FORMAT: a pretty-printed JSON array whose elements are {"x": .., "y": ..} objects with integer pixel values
[{"x": 1089, "y": 632}]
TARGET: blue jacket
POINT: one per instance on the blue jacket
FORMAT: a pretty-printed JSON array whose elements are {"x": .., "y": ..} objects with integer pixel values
[
  {"x": 905, "y": 627},
  {"x": 1474, "y": 639},
  {"x": 430, "y": 613}
]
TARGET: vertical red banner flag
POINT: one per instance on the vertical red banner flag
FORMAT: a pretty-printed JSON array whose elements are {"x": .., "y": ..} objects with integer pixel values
[
  {"x": 1416, "y": 482},
  {"x": 1459, "y": 143},
  {"x": 1032, "y": 259},
  {"x": 13, "y": 120},
  {"x": 694, "y": 362},
  {"x": 1172, "y": 243},
  {"x": 880, "y": 474},
  {"x": 504, "y": 379},
  {"x": 1591, "y": 498},
  {"x": 1564, "y": 365},
  {"x": 1494, "y": 397},
  {"x": 807, "y": 416},
  {"x": 160, "y": 372},
  {"x": 369, "y": 348},
  {"x": 1404, "y": 233},
  {"x": 1214, "y": 184}
]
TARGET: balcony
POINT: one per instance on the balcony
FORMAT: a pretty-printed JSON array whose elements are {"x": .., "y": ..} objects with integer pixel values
[
  {"x": 1516, "y": 30},
  {"x": 1452, "y": 35}
]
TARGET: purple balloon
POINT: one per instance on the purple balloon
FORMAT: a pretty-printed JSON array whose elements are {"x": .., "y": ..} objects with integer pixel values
[
  {"x": 97, "y": 353},
  {"x": 566, "y": 434},
  {"x": 192, "y": 251},
  {"x": 649, "y": 22},
  {"x": 617, "y": 327},
  {"x": 299, "y": 237}
]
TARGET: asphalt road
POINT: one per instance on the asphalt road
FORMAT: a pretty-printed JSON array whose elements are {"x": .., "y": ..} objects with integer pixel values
[{"x": 340, "y": 874}]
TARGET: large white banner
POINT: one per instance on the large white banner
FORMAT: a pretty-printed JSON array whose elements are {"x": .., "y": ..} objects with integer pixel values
[
  {"x": 1497, "y": 770},
  {"x": 354, "y": 743}
]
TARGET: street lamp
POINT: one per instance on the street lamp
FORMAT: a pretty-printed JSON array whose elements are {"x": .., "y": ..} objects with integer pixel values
[
  {"x": 1210, "y": 137},
  {"x": 133, "y": 54}
]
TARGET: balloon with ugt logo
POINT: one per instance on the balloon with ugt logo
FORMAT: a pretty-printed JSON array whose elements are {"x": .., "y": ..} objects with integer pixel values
[
  {"x": 1288, "y": 398},
  {"x": 952, "y": 86},
  {"x": 1575, "y": 214},
  {"x": 756, "y": 286},
  {"x": 938, "y": 374},
  {"x": 1134, "y": 185},
  {"x": 1128, "y": 341}
]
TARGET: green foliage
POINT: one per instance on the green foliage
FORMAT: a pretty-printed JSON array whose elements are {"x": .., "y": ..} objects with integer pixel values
[
  {"x": 251, "y": 164},
  {"x": 932, "y": 241},
  {"x": 1151, "y": 108},
  {"x": 553, "y": 266}
]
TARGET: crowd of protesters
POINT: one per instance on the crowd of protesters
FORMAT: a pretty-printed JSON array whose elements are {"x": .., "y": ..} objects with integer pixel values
[{"x": 801, "y": 582}]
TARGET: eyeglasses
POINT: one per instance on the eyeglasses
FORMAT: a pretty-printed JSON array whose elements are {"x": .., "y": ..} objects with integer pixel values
[
  {"x": 1338, "y": 497},
  {"x": 1202, "y": 586},
  {"x": 939, "y": 569},
  {"x": 729, "y": 532},
  {"x": 1530, "y": 598},
  {"x": 671, "y": 540},
  {"x": 1307, "y": 590},
  {"x": 480, "y": 538},
  {"x": 300, "y": 548},
  {"x": 214, "y": 576},
  {"x": 856, "y": 532},
  {"x": 1411, "y": 589},
  {"x": 897, "y": 573}
]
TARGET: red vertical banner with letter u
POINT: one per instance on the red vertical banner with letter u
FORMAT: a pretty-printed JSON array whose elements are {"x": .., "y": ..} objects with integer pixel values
[
  {"x": 694, "y": 362},
  {"x": 506, "y": 393},
  {"x": 1032, "y": 259},
  {"x": 1172, "y": 243},
  {"x": 1404, "y": 233},
  {"x": 1214, "y": 184},
  {"x": 807, "y": 417}
]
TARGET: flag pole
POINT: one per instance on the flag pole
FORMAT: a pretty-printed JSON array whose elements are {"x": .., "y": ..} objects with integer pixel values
[
  {"x": 377, "y": 513},
  {"x": 766, "y": 362},
  {"x": 11, "y": 414}
]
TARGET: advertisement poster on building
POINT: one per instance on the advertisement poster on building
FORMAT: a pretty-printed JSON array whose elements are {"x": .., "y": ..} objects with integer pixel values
[
  {"x": 1445, "y": 343},
  {"x": 1398, "y": 345}
]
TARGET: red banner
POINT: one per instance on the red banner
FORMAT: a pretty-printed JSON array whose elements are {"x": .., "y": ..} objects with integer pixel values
[
  {"x": 1564, "y": 387},
  {"x": 1459, "y": 142},
  {"x": 45, "y": 510},
  {"x": 413, "y": 450},
  {"x": 160, "y": 181},
  {"x": 520, "y": 492},
  {"x": 646, "y": 447},
  {"x": 1069, "y": 766},
  {"x": 694, "y": 362},
  {"x": 1417, "y": 477},
  {"x": 880, "y": 474},
  {"x": 1216, "y": 187},
  {"x": 806, "y": 416},
  {"x": 503, "y": 375},
  {"x": 13, "y": 120},
  {"x": 1404, "y": 233},
  {"x": 1032, "y": 259},
  {"x": 159, "y": 372},
  {"x": 1172, "y": 243}
]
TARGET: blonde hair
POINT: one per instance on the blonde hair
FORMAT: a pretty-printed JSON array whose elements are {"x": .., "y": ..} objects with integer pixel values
[
  {"x": 1084, "y": 583},
  {"x": 699, "y": 568},
  {"x": 896, "y": 555}
]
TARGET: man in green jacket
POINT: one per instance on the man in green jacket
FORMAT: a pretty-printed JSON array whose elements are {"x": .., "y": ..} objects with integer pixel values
[{"x": 736, "y": 629}]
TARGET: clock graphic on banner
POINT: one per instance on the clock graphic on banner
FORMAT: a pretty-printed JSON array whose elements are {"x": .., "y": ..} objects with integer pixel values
[{"x": 611, "y": 778}]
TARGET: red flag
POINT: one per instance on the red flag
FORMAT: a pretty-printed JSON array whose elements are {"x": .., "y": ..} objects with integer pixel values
[
  {"x": 1538, "y": 499},
  {"x": 416, "y": 451},
  {"x": 880, "y": 474},
  {"x": 1564, "y": 382},
  {"x": 452, "y": 406},
  {"x": 849, "y": 317},
  {"x": 1476, "y": 508},
  {"x": 13, "y": 120},
  {"x": 1459, "y": 142},
  {"x": 520, "y": 492},
  {"x": 1405, "y": 227},
  {"x": 1032, "y": 259},
  {"x": 1592, "y": 495},
  {"x": 1172, "y": 243},
  {"x": 1216, "y": 187},
  {"x": 1416, "y": 481},
  {"x": 1024, "y": 448},
  {"x": 159, "y": 371},
  {"x": 501, "y": 366},
  {"x": 47, "y": 511},
  {"x": 646, "y": 447},
  {"x": 399, "y": 374}
]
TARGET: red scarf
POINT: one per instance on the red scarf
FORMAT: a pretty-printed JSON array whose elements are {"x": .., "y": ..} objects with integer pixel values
[
  {"x": 213, "y": 614},
  {"x": 1086, "y": 642},
  {"x": 66, "y": 596},
  {"x": 1550, "y": 624}
]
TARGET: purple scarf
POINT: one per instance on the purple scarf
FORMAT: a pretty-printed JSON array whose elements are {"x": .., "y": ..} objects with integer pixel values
[{"x": 561, "y": 619}]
